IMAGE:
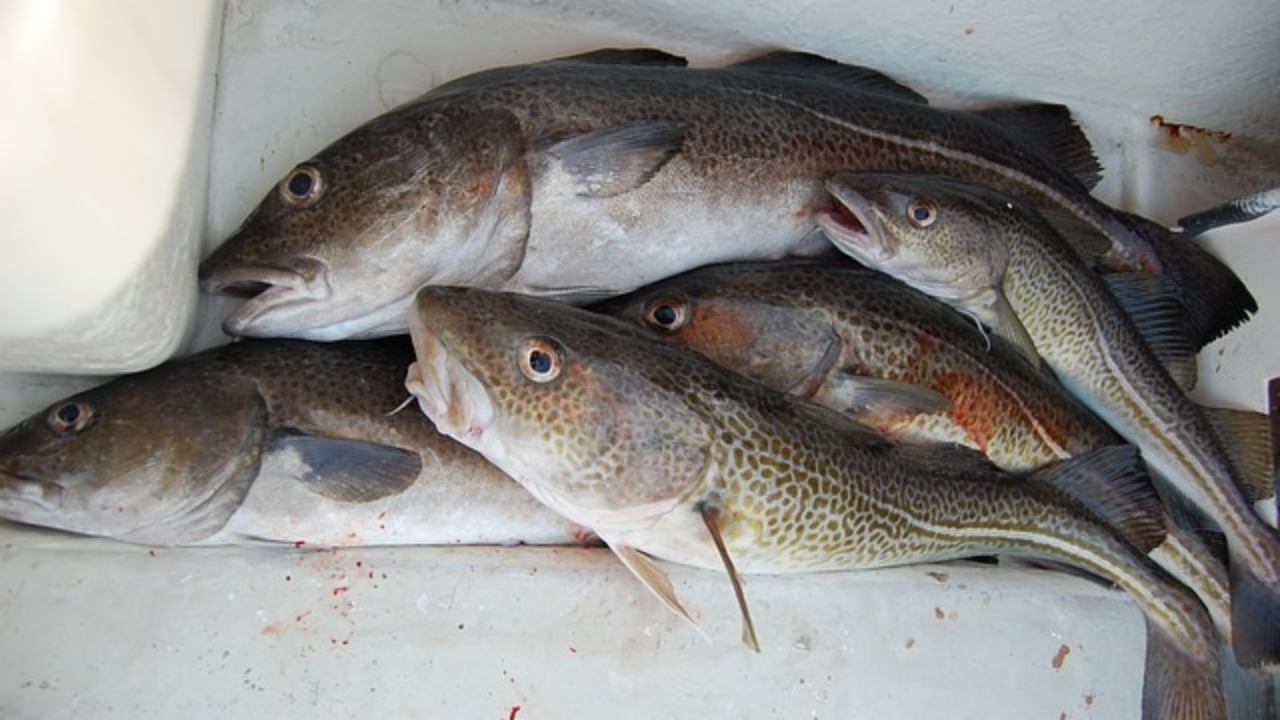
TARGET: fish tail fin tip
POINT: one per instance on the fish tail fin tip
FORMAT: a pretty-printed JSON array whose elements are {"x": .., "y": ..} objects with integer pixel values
[
  {"x": 1178, "y": 686},
  {"x": 1255, "y": 619}
]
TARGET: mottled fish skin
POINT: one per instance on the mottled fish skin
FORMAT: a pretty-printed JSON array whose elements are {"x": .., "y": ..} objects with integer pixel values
[
  {"x": 1093, "y": 347},
  {"x": 802, "y": 325},
  {"x": 630, "y": 437},
  {"x": 263, "y": 441},
  {"x": 651, "y": 169}
]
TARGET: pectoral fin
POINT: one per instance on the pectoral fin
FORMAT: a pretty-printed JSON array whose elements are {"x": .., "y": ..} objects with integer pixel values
[
  {"x": 612, "y": 161},
  {"x": 711, "y": 516},
  {"x": 653, "y": 577},
  {"x": 352, "y": 471},
  {"x": 876, "y": 402},
  {"x": 1004, "y": 322}
]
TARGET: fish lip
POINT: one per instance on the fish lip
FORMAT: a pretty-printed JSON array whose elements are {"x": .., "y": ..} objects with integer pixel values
[
  {"x": 267, "y": 290},
  {"x": 850, "y": 224},
  {"x": 20, "y": 488},
  {"x": 447, "y": 392}
]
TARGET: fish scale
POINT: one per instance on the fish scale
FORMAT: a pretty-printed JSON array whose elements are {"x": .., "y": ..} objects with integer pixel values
[{"x": 795, "y": 487}]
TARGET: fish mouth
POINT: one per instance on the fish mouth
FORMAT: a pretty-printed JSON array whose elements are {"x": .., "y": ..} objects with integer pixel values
[
  {"x": 447, "y": 392},
  {"x": 268, "y": 291},
  {"x": 850, "y": 224},
  {"x": 18, "y": 491}
]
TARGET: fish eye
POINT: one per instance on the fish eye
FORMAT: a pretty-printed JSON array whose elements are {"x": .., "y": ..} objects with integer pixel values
[
  {"x": 922, "y": 213},
  {"x": 70, "y": 417},
  {"x": 302, "y": 186},
  {"x": 540, "y": 360},
  {"x": 666, "y": 314}
]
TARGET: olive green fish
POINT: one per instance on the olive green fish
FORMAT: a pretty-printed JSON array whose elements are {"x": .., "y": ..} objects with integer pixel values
[
  {"x": 1118, "y": 363},
  {"x": 585, "y": 177},
  {"x": 864, "y": 344},
  {"x": 262, "y": 441},
  {"x": 662, "y": 452}
]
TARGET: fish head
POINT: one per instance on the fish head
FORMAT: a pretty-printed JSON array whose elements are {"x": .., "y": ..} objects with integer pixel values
[
  {"x": 927, "y": 231},
  {"x": 146, "y": 458},
  {"x": 575, "y": 406},
  {"x": 752, "y": 317},
  {"x": 338, "y": 246}
]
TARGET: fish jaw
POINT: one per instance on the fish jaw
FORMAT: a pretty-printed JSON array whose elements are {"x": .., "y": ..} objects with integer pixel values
[
  {"x": 850, "y": 223},
  {"x": 277, "y": 298},
  {"x": 446, "y": 391}
]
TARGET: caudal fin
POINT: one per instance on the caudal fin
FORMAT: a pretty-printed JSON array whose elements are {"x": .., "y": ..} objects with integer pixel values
[
  {"x": 1255, "y": 619},
  {"x": 1216, "y": 300},
  {"x": 1178, "y": 686}
]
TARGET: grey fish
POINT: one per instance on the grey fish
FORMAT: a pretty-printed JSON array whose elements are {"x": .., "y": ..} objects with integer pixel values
[
  {"x": 1240, "y": 210},
  {"x": 265, "y": 441},
  {"x": 589, "y": 176},
  {"x": 1112, "y": 360},
  {"x": 661, "y": 452},
  {"x": 871, "y": 347}
]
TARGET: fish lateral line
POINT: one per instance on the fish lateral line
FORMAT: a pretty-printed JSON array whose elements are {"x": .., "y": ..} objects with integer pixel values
[{"x": 709, "y": 509}]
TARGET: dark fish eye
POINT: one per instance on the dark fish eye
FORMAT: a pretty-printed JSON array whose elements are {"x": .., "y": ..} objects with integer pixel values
[
  {"x": 70, "y": 417},
  {"x": 540, "y": 360},
  {"x": 922, "y": 213},
  {"x": 666, "y": 314},
  {"x": 302, "y": 186}
]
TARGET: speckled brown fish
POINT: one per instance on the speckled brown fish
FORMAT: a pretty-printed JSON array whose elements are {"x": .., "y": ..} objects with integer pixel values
[
  {"x": 664, "y": 453},
  {"x": 262, "y": 441},
  {"x": 1122, "y": 365},
  {"x": 589, "y": 176},
  {"x": 862, "y": 343}
]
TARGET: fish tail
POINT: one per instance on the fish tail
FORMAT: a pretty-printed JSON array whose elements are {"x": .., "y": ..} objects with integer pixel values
[
  {"x": 1250, "y": 692},
  {"x": 1178, "y": 685},
  {"x": 1215, "y": 298},
  {"x": 1255, "y": 617}
]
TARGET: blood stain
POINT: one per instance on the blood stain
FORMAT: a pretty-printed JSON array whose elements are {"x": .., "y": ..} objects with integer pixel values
[
  {"x": 515, "y": 710},
  {"x": 1061, "y": 656}
]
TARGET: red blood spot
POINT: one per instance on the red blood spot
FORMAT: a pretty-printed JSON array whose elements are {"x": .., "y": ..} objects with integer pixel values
[
  {"x": 573, "y": 649},
  {"x": 288, "y": 578},
  {"x": 359, "y": 563},
  {"x": 340, "y": 589},
  {"x": 382, "y": 514},
  {"x": 300, "y": 618},
  {"x": 515, "y": 710},
  {"x": 299, "y": 543}
]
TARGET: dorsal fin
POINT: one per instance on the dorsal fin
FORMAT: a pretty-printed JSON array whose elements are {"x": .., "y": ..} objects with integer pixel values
[
  {"x": 1113, "y": 484},
  {"x": 1152, "y": 303},
  {"x": 626, "y": 56},
  {"x": 1049, "y": 127},
  {"x": 808, "y": 66},
  {"x": 1246, "y": 436}
]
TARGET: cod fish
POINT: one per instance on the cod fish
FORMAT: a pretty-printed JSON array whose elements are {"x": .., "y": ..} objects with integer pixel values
[
  {"x": 262, "y": 441},
  {"x": 869, "y": 346},
  {"x": 1116, "y": 362},
  {"x": 663, "y": 453},
  {"x": 589, "y": 176}
]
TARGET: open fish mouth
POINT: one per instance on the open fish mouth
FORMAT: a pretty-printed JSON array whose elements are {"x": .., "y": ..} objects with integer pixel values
[
  {"x": 849, "y": 223},
  {"x": 18, "y": 491},
  {"x": 448, "y": 393},
  {"x": 268, "y": 292}
]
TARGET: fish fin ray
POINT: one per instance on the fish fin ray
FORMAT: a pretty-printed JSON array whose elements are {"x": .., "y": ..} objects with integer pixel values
[
  {"x": 1151, "y": 302},
  {"x": 352, "y": 471},
  {"x": 1177, "y": 685},
  {"x": 878, "y": 402},
  {"x": 1050, "y": 128},
  {"x": 808, "y": 66},
  {"x": 1255, "y": 618},
  {"x": 1113, "y": 484},
  {"x": 652, "y": 577},
  {"x": 711, "y": 517},
  {"x": 1246, "y": 436},
  {"x": 609, "y": 162},
  {"x": 1216, "y": 299},
  {"x": 626, "y": 56},
  {"x": 1005, "y": 324}
]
